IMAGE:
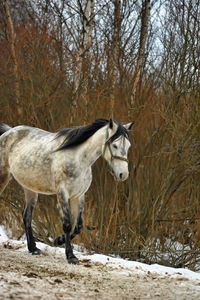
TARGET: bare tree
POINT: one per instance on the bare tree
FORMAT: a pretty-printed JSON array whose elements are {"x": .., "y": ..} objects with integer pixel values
[
  {"x": 11, "y": 36},
  {"x": 180, "y": 41},
  {"x": 145, "y": 14},
  {"x": 116, "y": 42},
  {"x": 82, "y": 59}
]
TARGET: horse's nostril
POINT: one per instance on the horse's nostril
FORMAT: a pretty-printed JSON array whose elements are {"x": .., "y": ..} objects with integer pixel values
[{"x": 121, "y": 175}]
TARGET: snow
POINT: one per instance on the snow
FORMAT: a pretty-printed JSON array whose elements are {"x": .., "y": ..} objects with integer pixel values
[{"x": 123, "y": 265}]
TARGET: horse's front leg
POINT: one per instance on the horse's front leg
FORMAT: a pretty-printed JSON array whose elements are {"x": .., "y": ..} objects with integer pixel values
[
  {"x": 79, "y": 221},
  {"x": 31, "y": 199},
  {"x": 63, "y": 198},
  {"x": 77, "y": 206}
]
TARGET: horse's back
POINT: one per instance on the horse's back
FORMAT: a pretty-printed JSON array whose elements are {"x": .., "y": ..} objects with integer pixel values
[{"x": 20, "y": 138}]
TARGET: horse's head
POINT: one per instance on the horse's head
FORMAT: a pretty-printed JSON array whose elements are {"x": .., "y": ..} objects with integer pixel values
[{"x": 115, "y": 149}]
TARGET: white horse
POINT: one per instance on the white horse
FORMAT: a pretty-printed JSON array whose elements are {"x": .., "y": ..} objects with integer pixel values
[{"x": 60, "y": 163}]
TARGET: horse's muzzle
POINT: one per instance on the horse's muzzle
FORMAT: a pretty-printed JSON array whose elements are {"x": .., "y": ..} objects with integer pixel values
[{"x": 119, "y": 176}]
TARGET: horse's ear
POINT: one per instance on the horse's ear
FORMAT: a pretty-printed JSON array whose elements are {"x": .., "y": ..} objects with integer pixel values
[
  {"x": 111, "y": 124},
  {"x": 128, "y": 126}
]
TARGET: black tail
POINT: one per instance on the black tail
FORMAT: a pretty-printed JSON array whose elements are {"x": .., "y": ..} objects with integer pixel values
[{"x": 4, "y": 128}]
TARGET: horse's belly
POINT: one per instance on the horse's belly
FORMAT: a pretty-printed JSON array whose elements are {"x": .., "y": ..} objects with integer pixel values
[
  {"x": 32, "y": 179},
  {"x": 37, "y": 185}
]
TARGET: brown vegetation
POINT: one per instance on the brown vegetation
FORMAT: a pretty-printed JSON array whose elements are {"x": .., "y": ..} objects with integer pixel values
[{"x": 160, "y": 200}]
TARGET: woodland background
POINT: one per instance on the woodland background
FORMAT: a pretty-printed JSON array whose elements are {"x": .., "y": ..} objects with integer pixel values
[{"x": 66, "y": 63}]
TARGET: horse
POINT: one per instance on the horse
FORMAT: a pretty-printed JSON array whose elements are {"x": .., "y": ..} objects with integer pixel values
[{"x": 60, "y": 163}]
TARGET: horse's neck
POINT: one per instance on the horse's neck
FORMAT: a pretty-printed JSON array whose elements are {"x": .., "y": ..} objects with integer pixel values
[{"x": 91, "y": 150}]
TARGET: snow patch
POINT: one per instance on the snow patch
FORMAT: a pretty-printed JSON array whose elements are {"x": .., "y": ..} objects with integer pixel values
[{"x": 3, "y": 235}]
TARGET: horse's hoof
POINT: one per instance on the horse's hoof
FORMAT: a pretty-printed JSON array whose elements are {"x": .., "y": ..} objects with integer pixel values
[
  {"x": 60, "y": 240},
  {"x": 73, "y": 261},
  {"x": 36, "y": 252}
]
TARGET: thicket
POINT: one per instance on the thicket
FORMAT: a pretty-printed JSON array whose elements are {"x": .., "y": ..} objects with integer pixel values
[{"x": 155, "y": 215}]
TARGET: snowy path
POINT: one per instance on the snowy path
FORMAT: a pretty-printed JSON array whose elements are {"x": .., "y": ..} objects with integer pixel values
[{"x": 24, "y": 276}]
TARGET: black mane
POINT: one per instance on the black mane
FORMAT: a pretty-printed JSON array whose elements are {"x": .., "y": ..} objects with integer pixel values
[{"x": 78, "y": 135}]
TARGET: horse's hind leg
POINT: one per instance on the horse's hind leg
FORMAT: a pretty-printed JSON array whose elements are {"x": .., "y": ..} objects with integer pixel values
[{"x": 31, "y": 199}]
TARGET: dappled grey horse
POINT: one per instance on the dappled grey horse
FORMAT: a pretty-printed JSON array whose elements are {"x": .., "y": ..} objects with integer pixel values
[{"x": 60, "y": 163}]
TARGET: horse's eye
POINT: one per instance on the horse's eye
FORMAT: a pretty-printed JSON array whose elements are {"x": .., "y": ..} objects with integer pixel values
[{"x": 115, "y": 146}]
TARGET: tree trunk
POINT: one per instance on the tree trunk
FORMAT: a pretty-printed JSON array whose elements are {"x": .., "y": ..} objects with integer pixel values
[
  {"x": 116, "y": 40},
  {"x": 11, "y": 35},
  {"x": 83, "y": 60},
  {"x": 87, "y": 27},
  {"x": 143, "y": 36}
]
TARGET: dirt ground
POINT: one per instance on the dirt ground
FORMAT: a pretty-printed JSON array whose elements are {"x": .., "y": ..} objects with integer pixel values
[{"x": 24, "y": 276}]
